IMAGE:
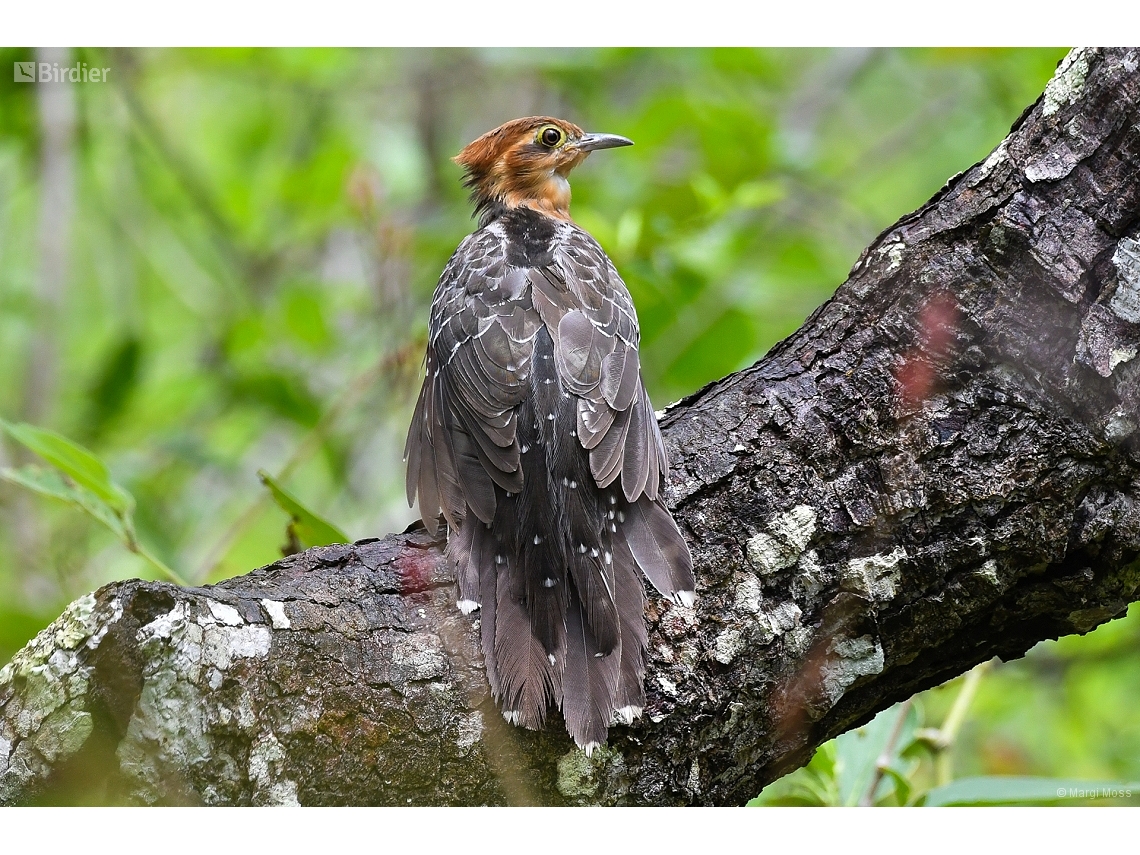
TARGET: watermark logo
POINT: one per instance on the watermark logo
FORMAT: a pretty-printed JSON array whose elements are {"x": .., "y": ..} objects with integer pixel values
[
  {"x": 53, "y": 72},
  {"x": 1119, "y": 792}
]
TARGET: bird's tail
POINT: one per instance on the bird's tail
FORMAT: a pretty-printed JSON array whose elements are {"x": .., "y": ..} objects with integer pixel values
[{"x": 558, "y": 576}]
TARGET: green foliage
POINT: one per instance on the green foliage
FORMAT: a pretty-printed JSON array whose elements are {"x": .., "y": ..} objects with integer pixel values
[
  {"x": 76, "y": 462},
  {"x": 81, "y": 480},
  {"x": 871, "y": 765},
  {"x": 896, "y": 761},
  {"x": 306, "y": 529}
]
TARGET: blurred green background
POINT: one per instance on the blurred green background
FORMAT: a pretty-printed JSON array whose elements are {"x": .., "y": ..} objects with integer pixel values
[{"x": 220, "y": 261}]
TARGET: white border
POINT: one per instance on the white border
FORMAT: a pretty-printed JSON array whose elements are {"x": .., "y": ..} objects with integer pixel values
[{"x": 563, "y": 23}]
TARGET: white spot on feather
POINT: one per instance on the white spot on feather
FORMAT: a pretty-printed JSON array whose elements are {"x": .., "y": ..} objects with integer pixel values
[
  {"x": 627, "y": 715},
  {"x": 467, "y": 606}
]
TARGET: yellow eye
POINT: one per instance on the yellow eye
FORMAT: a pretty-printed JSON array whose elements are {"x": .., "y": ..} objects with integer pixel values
[{"x": 551, "y": 136}]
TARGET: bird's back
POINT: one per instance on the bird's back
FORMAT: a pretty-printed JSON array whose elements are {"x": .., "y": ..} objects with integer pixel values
[{"x": 535, "y": 437}]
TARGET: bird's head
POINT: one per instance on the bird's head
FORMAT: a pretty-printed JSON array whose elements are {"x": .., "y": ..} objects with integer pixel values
[{"x": 525, "y": 163}]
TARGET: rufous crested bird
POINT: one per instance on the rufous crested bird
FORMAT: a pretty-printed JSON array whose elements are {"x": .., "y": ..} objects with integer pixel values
[{"x": 534, "y": 435}]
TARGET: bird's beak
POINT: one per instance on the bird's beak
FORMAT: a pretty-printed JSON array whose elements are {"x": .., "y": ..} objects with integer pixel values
[{"x": 593, "y": 142}]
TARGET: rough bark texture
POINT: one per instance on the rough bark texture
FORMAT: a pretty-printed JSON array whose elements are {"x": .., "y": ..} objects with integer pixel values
[{"x": 938, "y": 468}]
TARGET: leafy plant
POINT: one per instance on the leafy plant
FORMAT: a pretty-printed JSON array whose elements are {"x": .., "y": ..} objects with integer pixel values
[
  {"x": 894, "y": 761},
  {"x": 83, "y": 481},
  {"x": 868, "y": 765},
  {"x": 306, "y": 528}
]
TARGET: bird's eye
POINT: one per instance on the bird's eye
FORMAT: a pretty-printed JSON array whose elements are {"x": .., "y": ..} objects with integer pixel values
[{"x": 551, "y": 136}]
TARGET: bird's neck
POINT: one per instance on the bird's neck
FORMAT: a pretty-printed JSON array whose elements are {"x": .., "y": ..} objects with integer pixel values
[{"x": 548, "y": 194}]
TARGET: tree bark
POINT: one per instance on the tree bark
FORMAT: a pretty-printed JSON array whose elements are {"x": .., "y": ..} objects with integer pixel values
[{"x": 939, "y": 467}]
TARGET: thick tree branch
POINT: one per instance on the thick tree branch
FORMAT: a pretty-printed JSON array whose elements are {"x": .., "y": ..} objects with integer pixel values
[{"x": 938, "y": 468}]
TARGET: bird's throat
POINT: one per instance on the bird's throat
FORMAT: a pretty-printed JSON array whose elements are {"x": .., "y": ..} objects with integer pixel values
[{"x": 549, "y": 195}]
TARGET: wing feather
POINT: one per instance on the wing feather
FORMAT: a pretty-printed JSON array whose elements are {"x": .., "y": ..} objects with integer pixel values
[
  {"x": 462, "y": 442},
  {"x": 590, "y": 315},
  {"x": 659, "y": 549}
]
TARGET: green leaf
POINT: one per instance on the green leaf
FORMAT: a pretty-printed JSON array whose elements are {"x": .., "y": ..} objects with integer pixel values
[
  {"x": 858, "y": 751},
  {"x": 46, "y": 482},
  {"x": 307, "y": 527},
  {"x": 903, "y": 786},
  {"x": 74, "y": 461},
  {"x": 812, "y": 786},
  {"x": 49, "y": 482},
  {"x": 1010, "y": 790}
]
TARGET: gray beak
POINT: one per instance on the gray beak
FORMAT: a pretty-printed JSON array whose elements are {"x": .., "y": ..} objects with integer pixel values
[{"x": 593, "y": 142}]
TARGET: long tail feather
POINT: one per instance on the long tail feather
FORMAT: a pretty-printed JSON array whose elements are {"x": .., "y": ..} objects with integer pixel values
[
  {"x": 630, "y": 698},
  {"x": 659, "y": 549},
  {"x": 527, "y": 676},
  {"x": 590, "y": 681}
]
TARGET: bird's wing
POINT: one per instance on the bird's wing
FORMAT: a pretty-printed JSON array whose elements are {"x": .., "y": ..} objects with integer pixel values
[
  {"x": 589, "y": 313},
  {"x": 481, "y": 336}
]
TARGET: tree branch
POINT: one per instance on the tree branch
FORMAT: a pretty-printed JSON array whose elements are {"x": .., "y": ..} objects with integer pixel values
[{"x": 939, "y": 467}]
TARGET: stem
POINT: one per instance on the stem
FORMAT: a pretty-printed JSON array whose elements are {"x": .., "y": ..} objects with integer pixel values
[
  {"x": 885, "y": 757},
  {"x": 169, "y": 572},
  {"x": 948, "y": 733}
]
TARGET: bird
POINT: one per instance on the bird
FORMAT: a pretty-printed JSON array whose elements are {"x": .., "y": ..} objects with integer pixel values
[{"x": 534, "y": 437}]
